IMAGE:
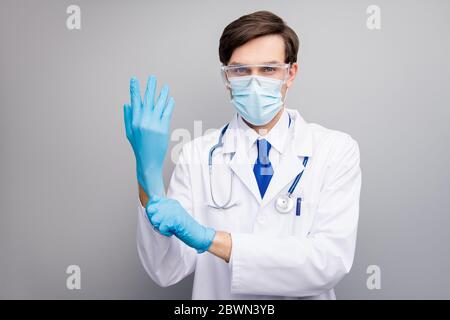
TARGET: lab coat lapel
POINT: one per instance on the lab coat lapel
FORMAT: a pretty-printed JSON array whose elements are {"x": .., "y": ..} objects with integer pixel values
[
  {"x": 243, "y": 169},
  {"x": 290, "y": 165},
  {"x": 291, "y": 161},
  {"x": 240, "y": 164}
]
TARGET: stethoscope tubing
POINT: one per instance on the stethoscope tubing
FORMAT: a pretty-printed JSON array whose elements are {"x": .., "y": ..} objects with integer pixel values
[{"x": 219, "y": 144}]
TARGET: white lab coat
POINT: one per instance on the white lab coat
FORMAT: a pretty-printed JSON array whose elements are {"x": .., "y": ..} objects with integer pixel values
[{"x": 274, "y": 255}]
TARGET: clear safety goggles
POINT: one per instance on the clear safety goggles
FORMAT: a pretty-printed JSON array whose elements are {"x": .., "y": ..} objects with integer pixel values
[{"x": 278, "y": 71}]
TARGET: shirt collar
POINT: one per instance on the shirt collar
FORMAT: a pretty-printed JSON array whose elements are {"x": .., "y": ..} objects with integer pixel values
[
  {"x": 276, "y": 136},
  {"x": 302, "y": 138}
]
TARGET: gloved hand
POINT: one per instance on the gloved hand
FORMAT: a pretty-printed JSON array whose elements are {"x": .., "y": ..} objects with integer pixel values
[
  {"x": 147, "y": 128},
  {"x": 170, "y": 218}
]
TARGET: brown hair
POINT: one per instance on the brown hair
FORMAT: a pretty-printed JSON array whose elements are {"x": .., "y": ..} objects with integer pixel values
[{"x": 254, "y": 25}]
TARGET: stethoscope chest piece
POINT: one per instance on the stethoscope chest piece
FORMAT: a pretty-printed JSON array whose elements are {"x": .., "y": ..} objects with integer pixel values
[{"x": 284, "y": 204}]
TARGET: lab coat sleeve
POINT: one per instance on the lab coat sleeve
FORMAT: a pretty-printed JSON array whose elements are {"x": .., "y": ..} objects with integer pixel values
[
  {"x": 167, "y": 260},
  {"x": 298, "y": 266}
]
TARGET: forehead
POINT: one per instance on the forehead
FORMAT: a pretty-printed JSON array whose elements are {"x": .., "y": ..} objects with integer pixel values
[{"x": 260, "y": 50}]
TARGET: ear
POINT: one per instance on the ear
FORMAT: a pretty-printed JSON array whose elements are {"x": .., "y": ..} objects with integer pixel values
[{"x": 292, "y": 74}]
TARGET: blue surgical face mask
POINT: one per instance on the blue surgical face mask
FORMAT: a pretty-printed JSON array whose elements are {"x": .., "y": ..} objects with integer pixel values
[{"x": 257, "y": 99}]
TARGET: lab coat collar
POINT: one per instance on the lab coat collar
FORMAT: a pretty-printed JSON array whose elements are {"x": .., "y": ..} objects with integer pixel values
[
  {"x": 302, "y": 140},
  {"x": 276, "y": 136},
  {"x": 301, "y": 143},
  {"x": 291, "y": 162}
]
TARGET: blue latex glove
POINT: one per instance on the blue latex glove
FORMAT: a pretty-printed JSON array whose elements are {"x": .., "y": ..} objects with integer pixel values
[
  {"x": 169, "y": 218},
  {"x": 147, "y": 128}
]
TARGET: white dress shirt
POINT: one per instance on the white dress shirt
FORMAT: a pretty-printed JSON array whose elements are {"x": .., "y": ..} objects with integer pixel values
[{"x": 276, "y": 137}]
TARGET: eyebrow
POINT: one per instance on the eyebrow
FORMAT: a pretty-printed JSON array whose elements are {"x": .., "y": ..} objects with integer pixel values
[{"x": 234, "y": 63}]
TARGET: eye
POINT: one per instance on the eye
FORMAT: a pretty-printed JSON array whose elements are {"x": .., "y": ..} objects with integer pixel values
[
  {"x": 241, "y": 70},
  {"x": 268, "y": 69}
]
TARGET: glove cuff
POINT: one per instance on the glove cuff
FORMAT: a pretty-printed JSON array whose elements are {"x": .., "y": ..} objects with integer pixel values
[{"x": 210, "y": 233}]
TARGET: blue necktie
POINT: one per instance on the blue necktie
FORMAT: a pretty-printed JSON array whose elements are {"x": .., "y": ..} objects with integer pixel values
[{"x": 263, "y": 168}]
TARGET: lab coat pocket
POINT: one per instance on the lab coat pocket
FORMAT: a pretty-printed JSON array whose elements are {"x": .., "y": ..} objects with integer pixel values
[{"x": 302, "y": 216}]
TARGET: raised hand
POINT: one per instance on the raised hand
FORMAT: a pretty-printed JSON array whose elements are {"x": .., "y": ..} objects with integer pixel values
[{"x": 147, "y": 128}]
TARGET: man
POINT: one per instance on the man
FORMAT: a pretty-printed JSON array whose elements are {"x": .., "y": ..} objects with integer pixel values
[{"x": 272, "y": 199}]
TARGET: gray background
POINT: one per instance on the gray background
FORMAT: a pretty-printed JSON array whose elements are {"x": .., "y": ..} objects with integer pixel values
[{"x": 68, "y": 189}]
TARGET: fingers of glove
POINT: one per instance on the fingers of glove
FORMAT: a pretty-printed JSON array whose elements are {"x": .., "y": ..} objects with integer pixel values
[
  {"x": 167, "y": 112},
  {"x": 154, "y": 198},
  {"x": 162, "y": 99},
  {"x": 149, "y": 98},
  {"x": 127, "y": 116},
  {"x": 151, "y": 210},
  {"x": 156, "y": 219},
  {"x": 135, "y": 96},
  {"x": 135, "y": 93},
  {"x": 165, "y": 229},
  {"x": 153, "y": 205}
]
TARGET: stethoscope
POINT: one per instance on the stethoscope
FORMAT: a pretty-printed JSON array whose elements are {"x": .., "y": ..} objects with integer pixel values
[{"x": 283, "y": 204}]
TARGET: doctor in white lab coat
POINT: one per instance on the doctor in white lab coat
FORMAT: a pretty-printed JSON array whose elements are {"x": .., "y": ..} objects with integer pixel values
[{"x": 249, "y": 250}]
